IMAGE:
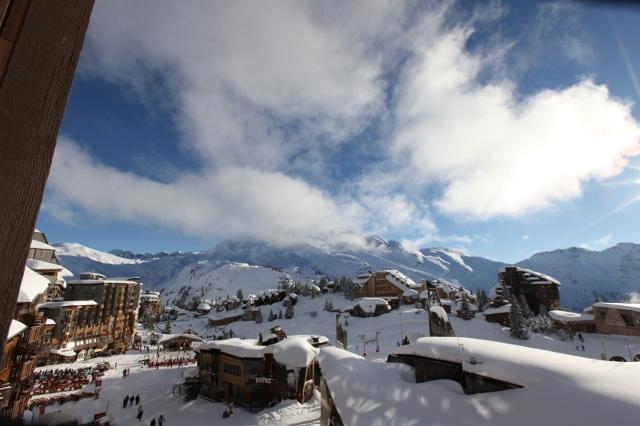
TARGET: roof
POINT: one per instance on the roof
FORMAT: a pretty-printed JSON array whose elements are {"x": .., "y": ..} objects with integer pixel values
[
  {"x": 203, "y": 307},
  {"x": 169, "y": 337},
  {"x": 368, "y": 304},
  {"x": 565, "y": 316},
  {"x": 15, "y": 328},
  {"x": 499, "y": 310},
  {"x": 399, "y": 278},
  {"x": 361, "y": 279},
  {"x": 535, "y": 277},
  {"x": 32, "y": 285},
  {"x": 35, "y": 244},
  {"x": 106, "y": 280},
  {"x": 63, "y": 352},
  {"x": 624, "y": 306},
  {"x": 41, "y": 265},
  {"x": 50, "y": 322},
  {"x": 66, "y": 303}
]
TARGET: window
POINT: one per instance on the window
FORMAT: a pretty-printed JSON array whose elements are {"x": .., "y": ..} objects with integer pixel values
[
  {"x": 627, "y": 319},
  {"x": 231, "y": 369}
]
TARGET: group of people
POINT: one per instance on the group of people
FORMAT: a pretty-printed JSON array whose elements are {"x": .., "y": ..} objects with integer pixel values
[
  {"x": 125, "y": 373},
  {"x": 62, "y": 374},
  {"x": 55, "y": 380},
  {"x": 178, "y": 362}
]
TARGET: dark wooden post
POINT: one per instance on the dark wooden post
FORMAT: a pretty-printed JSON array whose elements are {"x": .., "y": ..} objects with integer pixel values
[{"x": 40, "y": 42}]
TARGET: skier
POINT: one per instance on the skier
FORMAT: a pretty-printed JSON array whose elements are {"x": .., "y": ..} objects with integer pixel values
[
  {"x": 153, "y": 422},
  {"x": 137, "y": 399},
  {"x": 125, "y": 401},
  {"x": 161, "y": 420},
  {"x": 139, "y": 416}
]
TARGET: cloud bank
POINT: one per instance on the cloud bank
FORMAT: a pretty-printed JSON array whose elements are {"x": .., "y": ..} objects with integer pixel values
[{"x": 266, "y": 95}]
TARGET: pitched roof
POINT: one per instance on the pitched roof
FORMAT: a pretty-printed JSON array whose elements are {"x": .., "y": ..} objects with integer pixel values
[{"x": 32, "y": 285}]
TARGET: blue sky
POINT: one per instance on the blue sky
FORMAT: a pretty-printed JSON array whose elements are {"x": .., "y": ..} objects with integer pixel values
[{"x": 500, "y": 129}]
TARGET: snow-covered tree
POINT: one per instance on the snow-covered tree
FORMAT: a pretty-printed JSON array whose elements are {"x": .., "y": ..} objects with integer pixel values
[
  {"x": 272, "y": 316},
  {"x": 289, "y": 312},
  {"x": 465, "y": 311},
  {"x": 517, "y": 325},
  {"x": 258, "y": 316},
  {"x": 524, "y": 307},
  {"x": 481, "y": 299},
  {"x": 167, "y": 327},
  {"x": 280, "y": 314}
]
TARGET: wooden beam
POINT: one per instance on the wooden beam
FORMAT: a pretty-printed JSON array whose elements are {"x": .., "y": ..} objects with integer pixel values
[{"x": 41, "y": 42}]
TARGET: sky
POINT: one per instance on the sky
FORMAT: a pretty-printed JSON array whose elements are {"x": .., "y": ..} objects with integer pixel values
[{"x": 497, "y": 128}]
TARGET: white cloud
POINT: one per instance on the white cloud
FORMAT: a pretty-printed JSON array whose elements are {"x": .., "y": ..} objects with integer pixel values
[
  {"x": 496, "y": 152},
  {"x": 263, "y": 93},
  {"x": 599, "y": 243},
  {"x": 525, "y": 237}
]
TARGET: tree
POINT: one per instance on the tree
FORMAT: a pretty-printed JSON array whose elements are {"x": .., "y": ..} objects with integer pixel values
[
  {"x": 328, "y": 305},
  {"x": 289, "y": 312},
  {"x": 465, "y": 311},
  {"x": 258, "y": 316},
  {"x": 481, "y": 299},
  {"x": 524, "y": 307},
  {"x": 517, "y": 325},
  {"x": 148, "y": 321},
  {"x": 239, "y": 294},
  {"x": 167, "y": 328},
  {"x": 272, "y": 316},
  {"x": 280, "y": 314}
]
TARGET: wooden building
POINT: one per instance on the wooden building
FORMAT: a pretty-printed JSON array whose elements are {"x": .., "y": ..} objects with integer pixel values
[
  {"x": 178, "y": 342},
  {"x": 370, "y": 307},
  {"x": 389, "y": 284},
  {"x": 572, "y": 321},
  {"x": 617, "y": 318},
  {"x": 498, "y": 314},
  {"x": 255, "y": 375},
  {"x": 149, "y": 305},
  {"x": 116, "y": 311},
  {"x": 538, "y": 289}
]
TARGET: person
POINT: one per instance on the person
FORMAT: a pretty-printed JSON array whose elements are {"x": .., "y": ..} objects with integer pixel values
[
  {"x": 580, "y": 337},
  {"x": 131, "y": 400},
  {"x": 161, "y": 420},
  {"x": 225, "y": 414},
  {"x": 139, "y": 416},
  {"x": 582, "y": 347},
  {"x": 137, "y": 399},
  {"x": 124, "y": 373},
  {"x": 125, "y": 401},
  {"x": 577, "y": 348},
  {"x": 153, "y": 422}
]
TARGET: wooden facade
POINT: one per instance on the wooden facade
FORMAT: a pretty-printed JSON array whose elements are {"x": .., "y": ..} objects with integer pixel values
[
  {"x": 383, "y": 284},
  {"x": 617, "y": 318},
  {"x": 538, "y": 289}
]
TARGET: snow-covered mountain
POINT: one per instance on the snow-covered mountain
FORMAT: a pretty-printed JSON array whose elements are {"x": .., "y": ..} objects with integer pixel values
[{"x": 612, "y": 273}]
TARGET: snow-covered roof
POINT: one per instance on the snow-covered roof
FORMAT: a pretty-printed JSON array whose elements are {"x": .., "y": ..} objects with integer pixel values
[
  {"x": 41, "y": 265},
  {"x": 398, "y": 278},
  {"x": 623, "y": 306},
  {"x": 536, "y": 276},
  {"x": 66, "y": 303},
  {"x": 368, "y": 304},
  {"x": 49, "y": 321},
  {"x": 15, "y": 328},
  {"x": 168, "y": 337},
  {"x": 315, "y": 288},
  {"x": 203, "y": 307},
  {"x": 33, "y": 284},
  {"x": 424, "y": 294},
  {"x": 63, "y": 352},
  {"x": 595, "y": 392},
  {"x": 565, "y": 316},
  {"x": 106, "y": 280},
  {"x": 295, "y": 351},
  {"x": 361, "y": 279},
  {"x": 35, "y": 244},
  {"x": 499, "y": 310},
  {"x": 588, "y": 310}
]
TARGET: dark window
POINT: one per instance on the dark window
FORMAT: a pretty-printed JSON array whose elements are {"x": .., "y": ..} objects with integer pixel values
[
  {"x": 627, "y": 320},
  {"x": 231, "y": 369}
]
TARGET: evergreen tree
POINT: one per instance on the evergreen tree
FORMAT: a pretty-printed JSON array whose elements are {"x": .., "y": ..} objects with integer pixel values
[
  {"x": 272, "y": 316},
  {"x": 524, "y": 307},
  {"x": 505, "y": 292},
  {"x": 465, "y": 311},
  {"x": 289, "y": 312},
  {"x": 239, "y": 294},
  {"x": 280, "y": 314},
  {"x": 481, "y": 299},
  {"x": 517, "y": 324},
  {"x": 259, "y": 316},
  {"x": 167, "y": 328}
]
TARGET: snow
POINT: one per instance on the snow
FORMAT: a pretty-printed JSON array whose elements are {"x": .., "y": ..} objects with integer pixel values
[
  {"x": 49, "y": 321},
  {"x": 78, "y": 250},
  {"x": 401, "y": 280},
  {"x": 361, "y": 279},
  {"x": 203, "y": 307},
  {"x": 439, "y": 311},
  {"x": 63, "y": 352},
  {"x": 624, "y": 306},
  {"x": 32, "y": 285},
  {"x": 15, "y": 328},
  {"x": 242, "y": 348},
  {"x": 65, "y": 303},
  {"x": 595, "y": 392},
  {"x": 294, "y": 351},
  {"x": 41, "y": 265},
  {"x": 39, "y": 245},
  {"x": 368, "y": 304},
  {"x": 565, "y": 316},
  {"x": 456, "y": 256}
]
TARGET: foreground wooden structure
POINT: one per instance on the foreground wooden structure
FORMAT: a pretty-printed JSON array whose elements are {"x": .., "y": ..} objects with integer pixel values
[{"x": 40, "y": 44}]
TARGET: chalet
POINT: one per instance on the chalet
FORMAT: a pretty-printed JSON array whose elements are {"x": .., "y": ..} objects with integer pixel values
[
  {"x": 181, "y": 342},
  {"x": 43, "y": 260},
  {"x": 617, "y": 318},
  {"x": 203, "y": 308},
  {"x": 75, "y": 330},
  {"x": 572, "y": 321},
  {"x": 116, "y": 312},
  {"x": 389, "y": 284},
  {"x": 370, "y": 307},
  {"x": 499, "y": 314},
  {"x": 255, "y": 375},
  {"x": 223, "y": 318},
  {"x": 538, "y": 289}
]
